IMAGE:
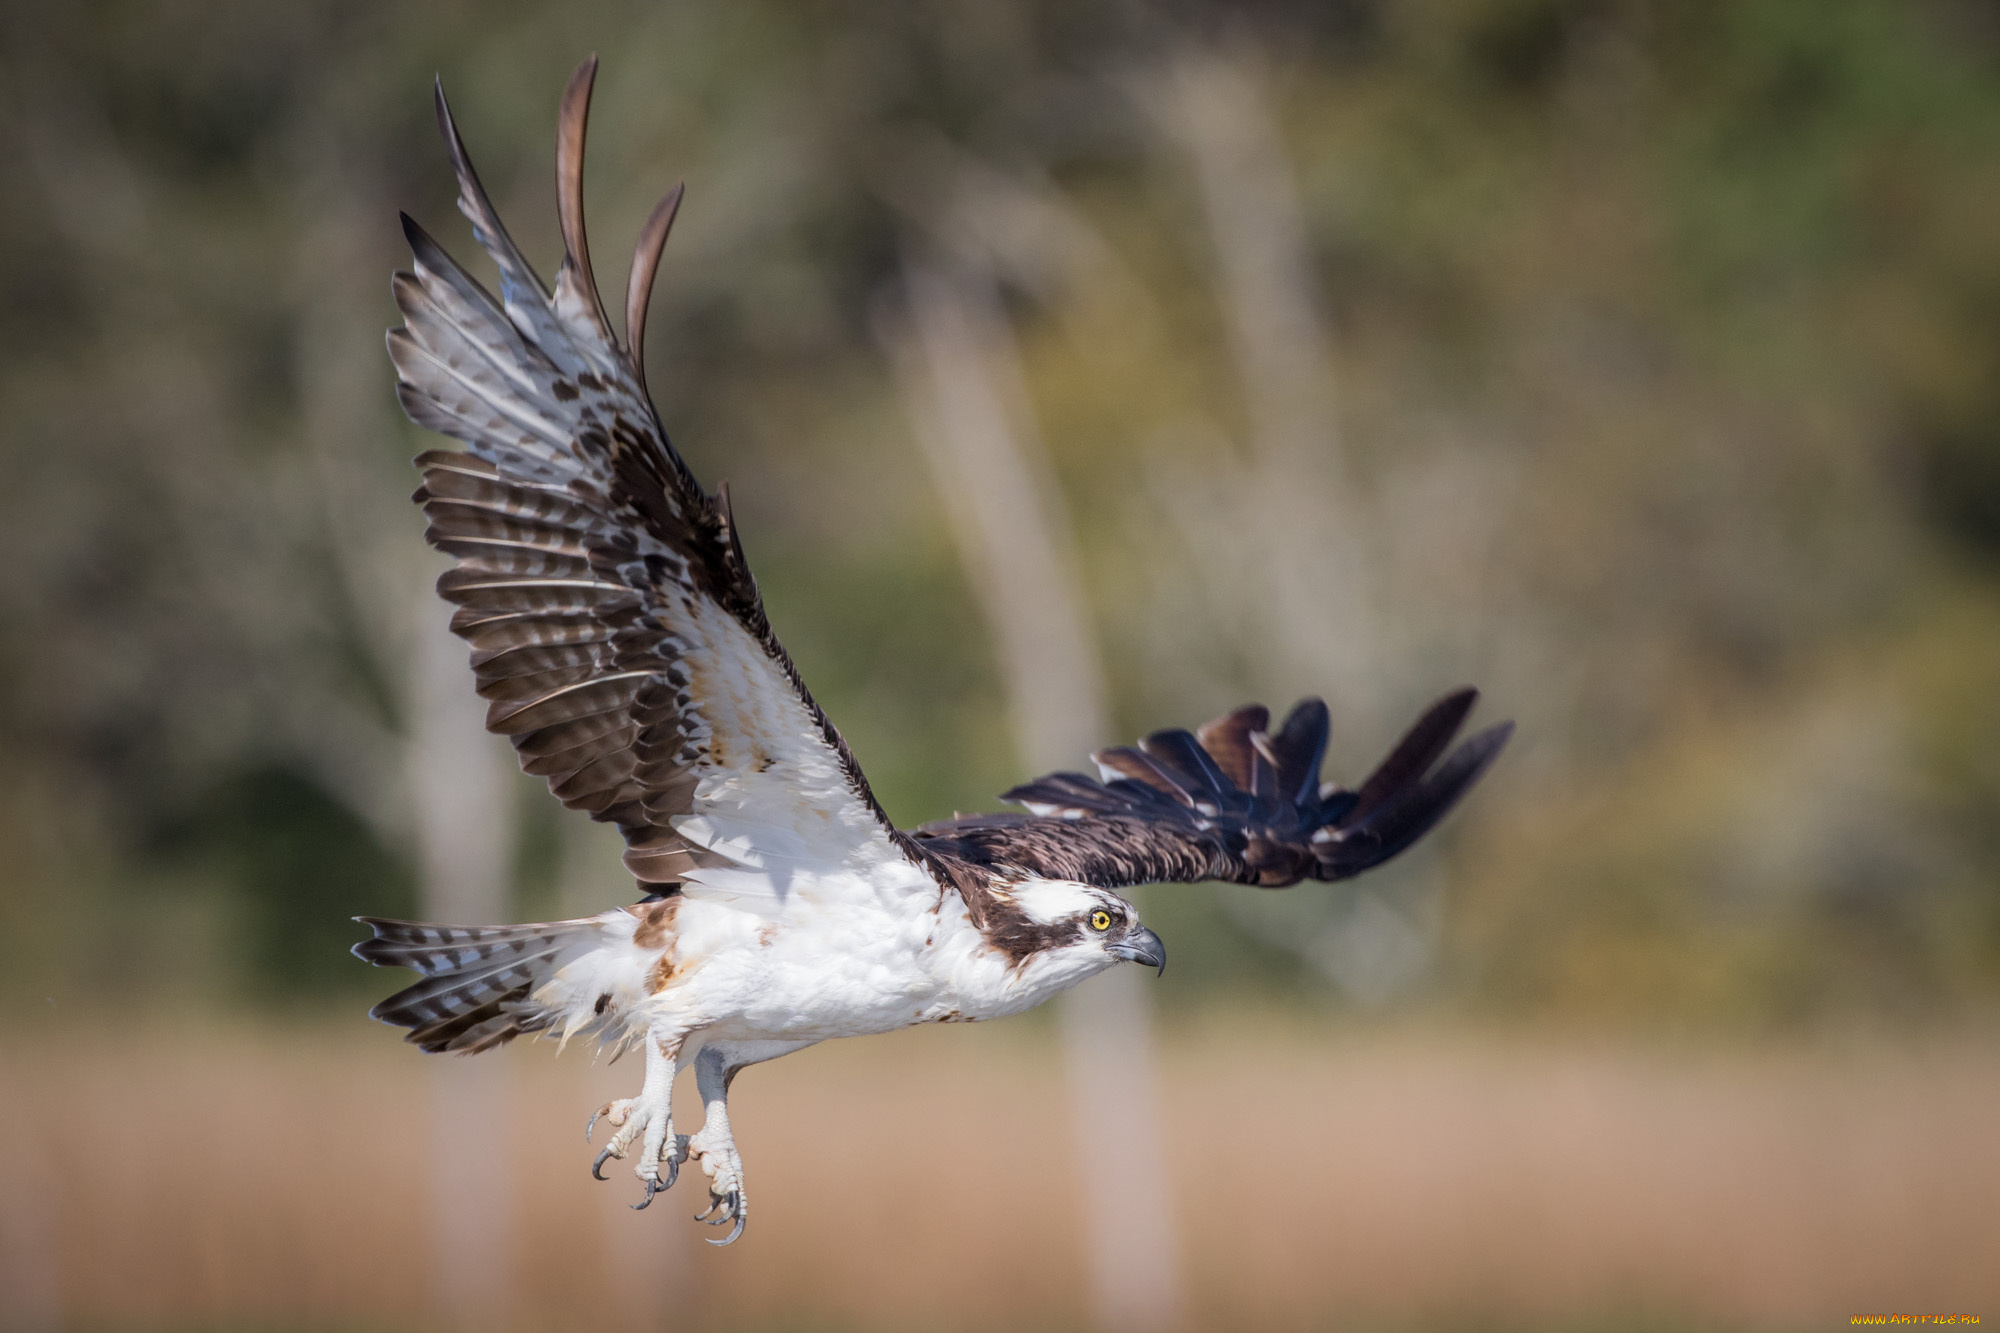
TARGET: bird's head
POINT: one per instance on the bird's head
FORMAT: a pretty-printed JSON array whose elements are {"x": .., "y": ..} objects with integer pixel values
[{"x": 1067, "y": 931}]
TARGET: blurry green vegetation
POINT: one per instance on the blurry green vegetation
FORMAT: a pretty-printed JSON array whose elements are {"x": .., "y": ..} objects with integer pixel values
[
  {"x": 269, "y": 828},
  {"x": 1666, "y": 342}
]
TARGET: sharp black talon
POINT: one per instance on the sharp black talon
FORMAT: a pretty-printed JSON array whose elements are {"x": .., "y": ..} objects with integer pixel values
[
  {"x": 601, "y": 1158},
  {"x": 593, "y": 1123},
  {"x": 713, "y": 1204},
  {"x": 653, "y": 1186},
  {"x": 742, "y": 1216},
  {"x": 673, "y": 1173}
]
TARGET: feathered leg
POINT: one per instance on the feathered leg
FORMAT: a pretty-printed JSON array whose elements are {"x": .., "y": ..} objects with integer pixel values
[
  {"x": 715, "y": 1068},
  {"x": 651, "y": 1115}
]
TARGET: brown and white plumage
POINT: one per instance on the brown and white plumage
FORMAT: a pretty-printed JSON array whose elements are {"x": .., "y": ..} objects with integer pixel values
[
  {"x": 620, "y": 641},
  {"x": 616, "y": 629},
  {"x": 1232, "y": 802}
]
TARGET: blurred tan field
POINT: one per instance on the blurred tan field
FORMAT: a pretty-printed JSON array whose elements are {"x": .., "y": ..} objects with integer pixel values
[{"x": 1324, "y": 1178}]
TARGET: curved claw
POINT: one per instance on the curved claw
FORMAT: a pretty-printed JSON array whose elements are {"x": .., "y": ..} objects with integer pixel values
[
  {"x": 593, "y": 1123},
  {"x": 601, "y": 1159},
  {"x": 713, "y": 1203},
  {"x": 653, "y": 1186},
  {"x": 742, "y": 1216},
  {"x": 673, "y": 1174}
]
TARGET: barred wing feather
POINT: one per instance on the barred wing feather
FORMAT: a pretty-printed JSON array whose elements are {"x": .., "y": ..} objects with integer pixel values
[
  {"x": 616, "y": 631},
  {"x": 1233, "y": 801}
]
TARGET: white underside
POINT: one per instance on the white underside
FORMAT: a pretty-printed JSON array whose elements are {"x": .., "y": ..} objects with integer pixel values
[
  {"x": 839, "y": 956},
  {"x": 753, "y": 977}
]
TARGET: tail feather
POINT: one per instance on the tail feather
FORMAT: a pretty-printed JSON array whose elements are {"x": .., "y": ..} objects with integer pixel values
[{"x": 479, "y": 984}]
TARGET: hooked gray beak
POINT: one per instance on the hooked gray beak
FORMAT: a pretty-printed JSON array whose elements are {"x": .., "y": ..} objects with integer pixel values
[{"x": 1141, "y": 946}]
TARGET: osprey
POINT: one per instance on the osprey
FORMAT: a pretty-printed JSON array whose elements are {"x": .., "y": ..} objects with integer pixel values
[{"x": 618, "y": 636}]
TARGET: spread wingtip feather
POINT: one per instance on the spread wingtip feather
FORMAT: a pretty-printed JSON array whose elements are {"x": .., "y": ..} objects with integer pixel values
[
  {"x": 576, "y": 286},
  {"x": 1233, "y": 802},
  {"x": 645, "y": 267}
]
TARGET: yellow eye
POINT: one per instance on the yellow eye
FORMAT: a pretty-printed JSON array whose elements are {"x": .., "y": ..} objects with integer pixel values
[{"x": 1100, "y": 920}]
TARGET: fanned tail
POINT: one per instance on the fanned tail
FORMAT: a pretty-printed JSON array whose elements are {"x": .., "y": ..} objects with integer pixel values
[{"x": 478, "y": 983}]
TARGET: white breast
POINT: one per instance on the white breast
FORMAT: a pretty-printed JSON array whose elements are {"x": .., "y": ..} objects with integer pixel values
[{"x": 840, "y": 959}]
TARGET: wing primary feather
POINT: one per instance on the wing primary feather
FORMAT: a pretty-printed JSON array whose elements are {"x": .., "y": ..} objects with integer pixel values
[
  {"x": 456, "y": 297},
  {"x": 1137, "y": 766},
  {"x": 475, "y": 309},
  {"x": 1071, "y": 792},
  {"x": 1299, "y": 748},
  {"x": 1227, "y": 740},
  {"x": 615, "y": 628},
  {"x": 1415, "y": 753},
  {"x": 645, "y": 267},
  {"x": 1178, "y": 750},
  {"x": 1170, "y": 811},
  {"x": 576, "y": 286},
  {"x": 516, "y": 272},
  {"x": 1409, "y": 814},
  {"x": 412, "y": 360},
  {"x": 468, "y": 464}
]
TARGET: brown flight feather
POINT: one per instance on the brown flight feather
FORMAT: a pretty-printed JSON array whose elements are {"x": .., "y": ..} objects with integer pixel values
[
  {"x": 1176, "y": 811},
  {"x": 577, "y": 528}
]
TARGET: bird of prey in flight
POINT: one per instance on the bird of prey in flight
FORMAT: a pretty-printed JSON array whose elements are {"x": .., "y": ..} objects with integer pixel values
[{"x": 619, "y": 639}]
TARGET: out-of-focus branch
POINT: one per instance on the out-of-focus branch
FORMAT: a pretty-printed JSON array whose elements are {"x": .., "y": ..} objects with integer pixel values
[
  {"x": 956, "y": 367},
  {"x": 347, "y": 418},
  {"x": 1212, "y": 105},
  {"x": 231, "y": 534},
  {"x": 1000, "y": 500},
  {"x": 448, "y": 782},
  {"x": 1012, "y": 221},
  {"x": 1293, "y": 512},
  {"x": 465, "y": 840},
  {"x": 1291, "y": 520}
]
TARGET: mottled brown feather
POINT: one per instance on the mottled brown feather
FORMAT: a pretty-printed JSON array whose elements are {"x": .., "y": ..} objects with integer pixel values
[{"x": 582, "y": 540}]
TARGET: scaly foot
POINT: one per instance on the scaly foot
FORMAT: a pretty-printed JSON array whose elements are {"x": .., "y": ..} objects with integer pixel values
[
  {"x": 723, "y": 1166},
  {"x": 653, "y": 1125}
]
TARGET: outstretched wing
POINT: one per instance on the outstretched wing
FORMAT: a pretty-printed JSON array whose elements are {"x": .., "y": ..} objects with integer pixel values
[
  {"x": 614, "y": 624},
  {"x": 1231, "y": 802}
]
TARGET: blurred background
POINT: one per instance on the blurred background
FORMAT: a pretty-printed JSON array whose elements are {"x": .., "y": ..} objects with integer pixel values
[{"x": 1638, "y": 362}]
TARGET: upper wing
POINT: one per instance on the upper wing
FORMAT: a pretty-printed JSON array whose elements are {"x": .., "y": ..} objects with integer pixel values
[
  {"x": 1233, "y": 802},
  {"x": 614, "y": 624}
]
